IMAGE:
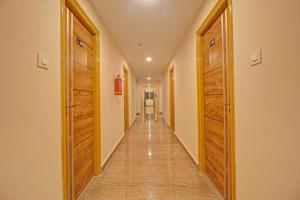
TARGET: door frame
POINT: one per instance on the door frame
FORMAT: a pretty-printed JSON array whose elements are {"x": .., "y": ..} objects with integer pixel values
[
  {"x": 172, "y": 93},
  {"x": 126, "y": 98},
  {"x": 76, "y": 9},
  {"x": 220, "y": 7}
]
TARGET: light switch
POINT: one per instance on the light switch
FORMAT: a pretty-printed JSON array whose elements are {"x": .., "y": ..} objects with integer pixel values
[
  {"x": 256, "y": 57},
  {"x": 43, "y": 61}
]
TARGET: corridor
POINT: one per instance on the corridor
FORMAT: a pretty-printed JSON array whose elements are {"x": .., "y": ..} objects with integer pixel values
[
  {"x": 149, "y": 164},
  {"x": 149, "y": 100}
]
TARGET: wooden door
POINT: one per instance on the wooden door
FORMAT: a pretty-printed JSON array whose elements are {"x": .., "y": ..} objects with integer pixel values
[
  {"x": 172, "y": 99},
  {"x": 215, "y": 95},
  {"x": 126, "y": 105},
  {"x": 80, "y": 106}
]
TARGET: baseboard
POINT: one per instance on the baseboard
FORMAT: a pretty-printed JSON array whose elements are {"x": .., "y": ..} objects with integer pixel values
[
  {"x": 166, "y": 121},
  {"x": 132, "y": 122},
  {"x": 213, "y": 187},
  {"x": 194, "y": 161},
  {"x": 110, "y": 155}
]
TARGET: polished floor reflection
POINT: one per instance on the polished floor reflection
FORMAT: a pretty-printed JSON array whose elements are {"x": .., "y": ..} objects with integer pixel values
[{"x": 150, "y": 164}]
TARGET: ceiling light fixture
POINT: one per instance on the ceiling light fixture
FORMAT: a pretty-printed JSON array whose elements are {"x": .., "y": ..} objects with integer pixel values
[
  {"x": 148, "y": 59},
  {"x": 149, "y": 78}
]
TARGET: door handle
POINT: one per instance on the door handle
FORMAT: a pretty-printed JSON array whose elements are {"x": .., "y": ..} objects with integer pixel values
[
  {"x": 79, "y": 42},
  {"x": 212, "y": 42}
]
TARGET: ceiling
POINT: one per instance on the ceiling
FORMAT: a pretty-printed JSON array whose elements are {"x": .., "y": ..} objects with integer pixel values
[{"x": 157, "y": 25}]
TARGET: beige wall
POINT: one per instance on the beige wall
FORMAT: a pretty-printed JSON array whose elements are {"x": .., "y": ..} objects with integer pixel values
[
  {"x": 185, "y": 84},
  {"x": 112, "y": 106},
  {"x": 30, "y": 127},
  {"x": 132, "y": 97},
  {"x": 267, "y": 97},
  {"x": 30, "y": 120}
]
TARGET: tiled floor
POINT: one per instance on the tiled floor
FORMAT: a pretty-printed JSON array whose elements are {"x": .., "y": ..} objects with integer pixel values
[{"x": 150, "y": 164}]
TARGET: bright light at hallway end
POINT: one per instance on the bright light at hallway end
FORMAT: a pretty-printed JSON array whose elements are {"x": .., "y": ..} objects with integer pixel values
[
  {"x": 148, "y": 78},
  {"x": 148, "y": 59}
]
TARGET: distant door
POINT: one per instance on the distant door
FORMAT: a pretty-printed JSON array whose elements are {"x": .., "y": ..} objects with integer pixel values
[
  {"x": 172, "y": 99},
  {"x": 80, "y": 106},
  {"x": 126, "y": 103},
  {"x": 149, "y": 99},
  {"x": 216, "y": 98}
]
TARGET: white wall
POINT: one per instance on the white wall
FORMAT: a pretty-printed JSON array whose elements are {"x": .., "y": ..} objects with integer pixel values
[
  {"x": 266, "y": 97},
  {"x": 30, "y": 120}
]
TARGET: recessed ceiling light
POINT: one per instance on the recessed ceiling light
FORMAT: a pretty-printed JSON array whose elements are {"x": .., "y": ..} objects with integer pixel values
[
  {"x": 148, "y": 59},
  {"x": 149, "y": 78},
  {"x": 140, "y": 44}
]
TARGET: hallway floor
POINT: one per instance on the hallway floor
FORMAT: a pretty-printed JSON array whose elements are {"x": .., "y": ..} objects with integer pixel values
[{"x": 150, "y": 164}]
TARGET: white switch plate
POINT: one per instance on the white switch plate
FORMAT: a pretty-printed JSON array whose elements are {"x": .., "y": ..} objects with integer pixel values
[
  {"x": 255, "y": 57},
  {"x": 43, "y": 61}
]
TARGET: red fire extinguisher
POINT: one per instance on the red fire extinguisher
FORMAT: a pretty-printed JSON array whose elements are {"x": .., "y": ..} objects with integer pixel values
[{"x": 118, "y": 85}]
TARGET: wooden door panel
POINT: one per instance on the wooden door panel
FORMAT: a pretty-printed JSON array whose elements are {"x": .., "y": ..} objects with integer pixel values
[
  {"x": 82, "y": 32},
  {"x": 82, "y": 54},
  {"x": 214, "y": 132},
  {"x": 213, "y": 88},
  {"x": 83, "y": 128},
  {"x": 214, "y": 107},
  {"x": 213, "y": 82},
  {"x": 82, "y": 178},
  {"x": 214, "y": 33},
  {"x": 213, "y": 58},
  {"x": 82, "y": 78},
  {"x": 83, "y": 103},
  {"x": 215, "y": 167},
  {"x": 83, "y": 154},
  {"x": 215, "y": 154},
  {"x": 215, "y": 177}
]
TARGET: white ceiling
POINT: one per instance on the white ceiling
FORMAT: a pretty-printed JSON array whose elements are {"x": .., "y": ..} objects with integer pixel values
[{"x": 157, "y": 24}]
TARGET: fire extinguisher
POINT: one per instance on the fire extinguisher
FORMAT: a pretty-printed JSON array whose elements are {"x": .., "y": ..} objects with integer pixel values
[{"x": 118, "y": 85}]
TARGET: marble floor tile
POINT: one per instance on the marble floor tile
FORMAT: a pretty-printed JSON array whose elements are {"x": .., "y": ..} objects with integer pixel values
[{"x": 149, "y": 164}]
